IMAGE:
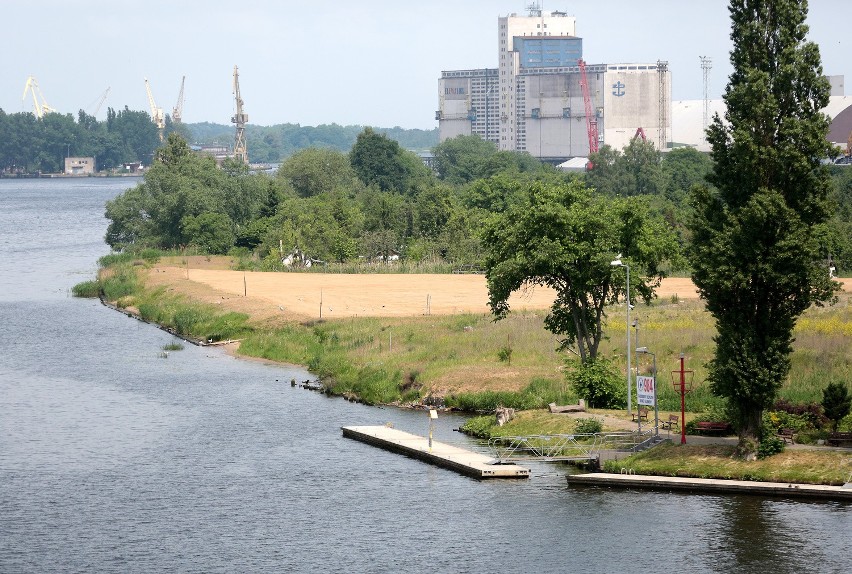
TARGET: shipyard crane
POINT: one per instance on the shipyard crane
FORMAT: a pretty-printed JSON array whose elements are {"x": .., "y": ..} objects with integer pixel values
[
  {"x": 591, "y": 119},
  {"x": 177, "y": 111},
  {"x": 101, "y": 101},
  {"x": 239, "y": 119},
  {"x": 40, "y": 106},
  {"x": 156, "y": 113}
]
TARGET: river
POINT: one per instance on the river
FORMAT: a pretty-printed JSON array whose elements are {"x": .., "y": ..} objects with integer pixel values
[{"x": 114, "y": 458}]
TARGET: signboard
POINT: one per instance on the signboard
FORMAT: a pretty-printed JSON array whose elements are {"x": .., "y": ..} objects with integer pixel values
[{"x": 645, "y": 391}]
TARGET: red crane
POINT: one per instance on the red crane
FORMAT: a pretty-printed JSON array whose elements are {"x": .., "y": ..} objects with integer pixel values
[{"x": 591, "y": 119}]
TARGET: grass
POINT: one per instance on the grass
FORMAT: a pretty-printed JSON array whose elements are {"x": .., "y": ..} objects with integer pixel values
[
  {"x": 716, "y": 461},
  {"x": 476, "y": 363}
]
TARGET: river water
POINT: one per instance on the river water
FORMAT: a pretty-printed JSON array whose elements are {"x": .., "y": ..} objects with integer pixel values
[{"x": 114, "y": 459}]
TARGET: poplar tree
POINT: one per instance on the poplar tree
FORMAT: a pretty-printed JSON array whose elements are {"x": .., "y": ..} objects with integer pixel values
[{"x": 756, "y": 251}]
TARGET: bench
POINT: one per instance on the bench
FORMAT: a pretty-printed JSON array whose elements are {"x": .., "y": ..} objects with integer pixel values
[
  {"x": 840, "y": 439},
  {"x": 674, "y": 421},
  {"x": 641, "y": 414},
  {"x": 787, "y": 435},
  {"x": 712, "y": 428}
]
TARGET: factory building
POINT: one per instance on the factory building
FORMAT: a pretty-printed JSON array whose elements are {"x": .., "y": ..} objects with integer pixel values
[{"x": 534, "y": 102}]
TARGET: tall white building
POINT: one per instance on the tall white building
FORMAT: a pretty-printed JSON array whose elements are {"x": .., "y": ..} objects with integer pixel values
[{"x": 515, "y": 51}]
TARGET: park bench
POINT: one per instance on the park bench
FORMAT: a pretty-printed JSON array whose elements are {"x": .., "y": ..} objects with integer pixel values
[
  {"x": 641, "y": 414},
  {"x": 674, "y": 421},
  {"x": 712, "y": 428},
  {"x": 787, "y": 435},
  {"x": 840, "y": 439}
]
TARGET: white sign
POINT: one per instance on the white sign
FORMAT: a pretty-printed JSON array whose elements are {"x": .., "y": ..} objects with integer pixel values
[{"x": 645, "y": 391}]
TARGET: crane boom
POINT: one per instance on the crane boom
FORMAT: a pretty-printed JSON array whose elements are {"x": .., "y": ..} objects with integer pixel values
[
  {"x": 591, "y": 120},
  {"x": 101, "y": 101},
  {"x": 240, "y": 119},
  {"x": 40, "y": 106},
  {"x": 177, "y": 112},
  {"x": 156, "y": 113}
]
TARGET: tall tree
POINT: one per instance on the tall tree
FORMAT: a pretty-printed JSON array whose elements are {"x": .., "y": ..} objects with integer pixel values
[
  {"x": 565, "y": 237},
  {"x": 756, "y": 251}
]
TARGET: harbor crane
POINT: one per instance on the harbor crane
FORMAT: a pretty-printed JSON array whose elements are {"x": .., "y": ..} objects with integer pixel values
[
  {"x": 101, "y": 101},
  {"x": 239, "y": 119},
  {"x": 591, "y": 119},
  {"x": 40, "y": 106},
  {"x": 177, "y": 111},
  {"x": 157, "y": 115}
]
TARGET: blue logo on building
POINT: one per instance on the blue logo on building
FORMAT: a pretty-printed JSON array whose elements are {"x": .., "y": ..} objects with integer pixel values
[{"x": 618, "y": 89}]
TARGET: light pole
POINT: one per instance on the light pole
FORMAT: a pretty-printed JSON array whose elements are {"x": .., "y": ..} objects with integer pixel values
[
  {"x": 645, "y": 351},
  {"x": 617, "y": 263}
]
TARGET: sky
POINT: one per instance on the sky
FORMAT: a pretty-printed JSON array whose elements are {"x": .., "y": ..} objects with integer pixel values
[{"x": 355, "y": 62}]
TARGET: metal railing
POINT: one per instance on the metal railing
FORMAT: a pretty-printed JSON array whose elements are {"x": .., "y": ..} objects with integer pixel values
[{"x": 560, "y": 447}]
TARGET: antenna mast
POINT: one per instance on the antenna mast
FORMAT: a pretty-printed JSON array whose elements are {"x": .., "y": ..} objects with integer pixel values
[
  {"x": 706, "y": 65},
  {"x": 240, "y": 118}
]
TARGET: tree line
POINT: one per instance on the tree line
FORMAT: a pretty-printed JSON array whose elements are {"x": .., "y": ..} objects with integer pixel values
[{"x": 31, "y": 145}]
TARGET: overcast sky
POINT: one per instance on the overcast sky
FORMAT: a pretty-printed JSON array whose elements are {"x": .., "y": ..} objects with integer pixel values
[{"x": 364, "y": 62}]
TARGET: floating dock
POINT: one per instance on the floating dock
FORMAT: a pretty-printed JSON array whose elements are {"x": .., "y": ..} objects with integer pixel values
[
  {"x": 709, "y": 486},
  {"x": 455, "y": 458}
]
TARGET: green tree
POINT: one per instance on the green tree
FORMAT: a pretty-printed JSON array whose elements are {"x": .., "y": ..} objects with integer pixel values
[
  {"x": 462, "y": 159},
  {"x": 565, "y": 237},
  {"x": 313, "y": 170},
  {"x": 683, "y": 168},
  {"x": 756, "y": 253},
  {"x": 380, "y": 161},
  {"x": 210, "y": 232},
  {"x": 836, "y": 402}
]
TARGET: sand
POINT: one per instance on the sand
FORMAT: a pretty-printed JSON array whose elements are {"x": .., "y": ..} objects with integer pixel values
[{"x": 328, "y": 296}]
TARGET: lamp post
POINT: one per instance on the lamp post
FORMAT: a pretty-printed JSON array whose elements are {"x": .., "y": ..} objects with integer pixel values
[
  {"x": 617, "y": 263},
  {"x": 645, "y": 351}
]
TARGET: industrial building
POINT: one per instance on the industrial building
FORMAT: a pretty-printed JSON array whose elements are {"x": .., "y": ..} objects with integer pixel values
[{"x": 543, "y": 99}]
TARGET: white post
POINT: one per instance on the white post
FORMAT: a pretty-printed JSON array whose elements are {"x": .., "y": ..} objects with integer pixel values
[{"x": 629, "y": 390}]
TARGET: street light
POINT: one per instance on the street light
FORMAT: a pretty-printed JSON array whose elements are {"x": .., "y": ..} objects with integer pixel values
[
  {"x": 645, "y": 351},
  {"x": 617, "y": 263}
]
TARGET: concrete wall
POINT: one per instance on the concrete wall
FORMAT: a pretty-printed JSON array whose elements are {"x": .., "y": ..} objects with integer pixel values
[{"x": 631, "y": 99}]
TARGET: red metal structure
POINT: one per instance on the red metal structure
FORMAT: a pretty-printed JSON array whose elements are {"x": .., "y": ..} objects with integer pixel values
[
  {"x": 640, "y": 133},
  {"x": 591, "y": 118},
  {"x": 682, "y": 387}
]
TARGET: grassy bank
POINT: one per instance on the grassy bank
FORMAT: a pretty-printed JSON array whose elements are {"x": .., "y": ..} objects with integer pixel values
[
  {"x": 469, "y": 360},
  {"x": 717, "y": 461}
]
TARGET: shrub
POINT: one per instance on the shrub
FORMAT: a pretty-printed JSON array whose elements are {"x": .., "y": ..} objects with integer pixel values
[
  {"x": 811, "y": 412},
  {"x": 86, "y": 289},
  {"x": 598, "y": 382},
  {"x": 769, "y": 445},
  {"x": 588, "y": 426},
  {"x": 836, "y": 402},
  {"x": 478, "y": 426},
  {"x": 505, "y": 355}
]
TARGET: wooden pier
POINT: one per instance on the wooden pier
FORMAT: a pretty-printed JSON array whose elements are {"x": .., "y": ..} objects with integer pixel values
[{"x": 455, "y": 458}]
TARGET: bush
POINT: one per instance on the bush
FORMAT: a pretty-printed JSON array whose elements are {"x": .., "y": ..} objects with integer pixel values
[
  {"x": 588, "y": 426},
  {"x": 769, "y": 445},
  {"x": 598, "y": 382},
  {"x": 836, "y": 402},
  {"x": 478, "y": 426},
  {"x": 86, "y": 289}
]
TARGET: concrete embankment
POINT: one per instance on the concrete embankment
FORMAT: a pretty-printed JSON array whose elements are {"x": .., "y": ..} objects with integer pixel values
[{"x": 710, "y": 486}]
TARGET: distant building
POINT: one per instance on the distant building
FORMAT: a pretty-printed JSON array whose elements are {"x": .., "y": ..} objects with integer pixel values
[
  {"x": 534, "y": 101},
  {"x": 79, "y": 165}
]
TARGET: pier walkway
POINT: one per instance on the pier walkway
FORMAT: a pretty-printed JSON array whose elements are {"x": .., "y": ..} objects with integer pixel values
[{"x": 455, "y": 458}]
